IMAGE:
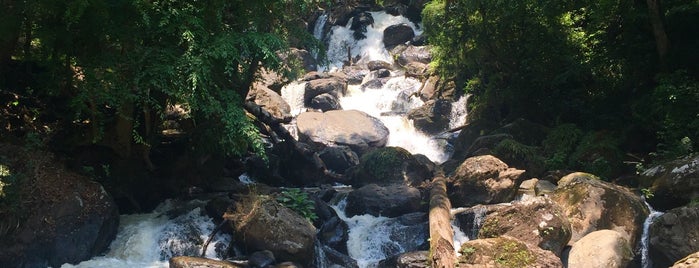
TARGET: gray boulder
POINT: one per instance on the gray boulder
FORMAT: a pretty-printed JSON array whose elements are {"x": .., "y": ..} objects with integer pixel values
[
  {"x": 271, "y": 101},
  {"x": 388, "y": 201},
  {"x": 674, "y": 235},
  {"x": 332, "y": 86},
  {"x": 325, "y": 102},
  {"x": 432, "y": 117},
  {"x": 674, "y": 183},
  {"x": 397, "y": 34},
  {"x": 414, "y": 54},
  {"x": 351, "y": 128}
]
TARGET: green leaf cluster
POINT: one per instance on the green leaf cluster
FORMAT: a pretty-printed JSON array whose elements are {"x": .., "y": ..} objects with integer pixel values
[{"x": 298, "y": 201}]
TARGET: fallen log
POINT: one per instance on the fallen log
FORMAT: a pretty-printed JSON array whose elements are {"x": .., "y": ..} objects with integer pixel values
[{"x": 441, "y": 234}]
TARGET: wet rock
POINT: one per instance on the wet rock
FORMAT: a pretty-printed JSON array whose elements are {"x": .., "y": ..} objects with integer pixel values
[
  {"x": 339, "y": 158},
  {"x": 333, "y": 259},
  {"x": 432, "y": 117},
  {"x": 360, "y": 21},
  {"x": 374, "y": 84},
  {"x": 591, "y": 204},
  {"x": 483, "y": 180},
  {"x": 536, "y": 221},
  {"x": 195, "y": 262},
  {"x": 388, "y": 201},
  {"x": 351, "y": 128},
  {"x": 314, "y": 75},
  {"x": 333, "y": 86},
  {"x": 674, "y": 235},
  {"x": 325, "y": 102},
  {"x": 375, "y": 65},
  {"x": 261, "y": 223},
  {"x": 301, "y": 57},
  {"x": 675, "y": 183},
  {"x": 601, "y": 249},
  {"x": 261, "y": 258},
  {"x": 417, "y": 69},
  {"x": 690, "y": 261},
  {"x": 397, "y": 34},
  {"x": 505, "y": 252},
  {"x": 390, "y": 165},
  {"x": 271, "y": 101},
  {"x": 355, "y": 74},
  {"x": 536, "y": 187},
  {"x": 334, "y": 234},
  {"x": 414, "y": 54},
  {"x": 414, "y": 259}
]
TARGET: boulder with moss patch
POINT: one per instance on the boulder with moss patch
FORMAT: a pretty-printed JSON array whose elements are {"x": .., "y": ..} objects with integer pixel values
[
  {"x": 674, "y": 183},
  {"x": 483, "y": 180},
  {"x": 504, "y": 252},
  {"x": 537, "y": 221},
  {"x": 390, "y": 165},
  {"x": 592, "y": 204}
]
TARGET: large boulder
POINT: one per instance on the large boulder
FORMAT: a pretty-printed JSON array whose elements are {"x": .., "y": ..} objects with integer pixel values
[
  {"x": 536, "y": 221},
  {"x": 591, "y": 204},
  {"x": 432, "y": 117},
  {"x": 352, "y": 128},
  {"x": 333, "y": 86},
  {"x": 413, "y": 259},
  {"x": 674, "y": 183},
  {"x": 325, "y": 102},
  {"x": 338, "y": 158},
  {"x": 271, "y": 101},
  {"x": 57, "y": 216},
  {"x": 505, "y": 252},
  {"x": 334, "y": 234},
  {"x": 601, "y": 249},
  {"x": 674, "y": 235},
  {"x": 261, "y": 223},
  {"x": 397, "y": 34},
  {"x": 390, "y": 165},
  {"x": 483, "y": 180},
  {"x": 388, "y": 201}
]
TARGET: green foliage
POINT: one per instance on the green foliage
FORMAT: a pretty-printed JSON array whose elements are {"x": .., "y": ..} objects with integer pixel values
[
  {"x": 598, "y": 153},
  {"x": 383, "y": 163},
  {"x": 559, "y": 144},
  {"x": 513, "y": 254},
  {"x": 298, "y": 201},
  {"x": 675, "y": 106},
  {"x": 647, "y": 193}
]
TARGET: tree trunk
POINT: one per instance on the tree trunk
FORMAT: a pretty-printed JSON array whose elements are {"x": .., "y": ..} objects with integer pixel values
[
  {"x": 662, "y": 43},
  {"x": 441, "y": 234}
]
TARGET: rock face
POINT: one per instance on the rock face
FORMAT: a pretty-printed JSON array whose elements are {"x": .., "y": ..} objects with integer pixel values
[
  {"x": 390, "y": 165},
  {"x": 270, "y": 101},
  {"x": 65, "y": 217},
  {"x": 397, "y": 34},
  {"x": 264, "y": 224},
  {"x": 601, "y": 249},
  {"x": 352, "y": 128},
  {"x": 483, "y": 180},
  {"x": 591, "y": 204},
  {"x": 674, "y": 235},
  {"x": 504, "y": 252},
  {"x": 389, "y": 201},
  {"x": 674, "y": 183},
  {"x": 432, "y": 117},
  {"x": 536, "y": 221}
]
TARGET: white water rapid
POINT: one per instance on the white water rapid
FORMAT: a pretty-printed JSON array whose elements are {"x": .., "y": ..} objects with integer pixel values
[{"x": 149, "y": 240}]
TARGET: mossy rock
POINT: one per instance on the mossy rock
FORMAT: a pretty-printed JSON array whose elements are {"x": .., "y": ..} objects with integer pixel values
[
  {"x": 390, "y": 165},
  {"x": 506, "y": 252}
]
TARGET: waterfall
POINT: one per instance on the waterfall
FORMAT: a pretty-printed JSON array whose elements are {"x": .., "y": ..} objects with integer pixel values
[
  {"x": 645, "y": 237},
  {"x": 318, "y": 27},
  {"x": 459, "y": 112},
  {"x": 151, "y": 239},
  {"x": 369, "y": 48},
  {"x": 372, "y": 239},
  {"x": 475, "y": 216}
]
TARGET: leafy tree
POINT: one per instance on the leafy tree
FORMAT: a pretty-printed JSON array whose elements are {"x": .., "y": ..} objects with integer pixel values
[{"x": 121, "y": 62}]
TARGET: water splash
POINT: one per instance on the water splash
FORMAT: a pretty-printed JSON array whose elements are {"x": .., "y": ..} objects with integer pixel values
[
  {"x": 319, "y": 26},
  {"x": 646, "y": 262},
  {"x": 149, "y": 240}
]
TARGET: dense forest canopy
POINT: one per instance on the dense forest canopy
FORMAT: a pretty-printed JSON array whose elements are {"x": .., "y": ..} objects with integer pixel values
[
  {"x": 629, "y": 67},
  {"x": 112, "y": 66}
]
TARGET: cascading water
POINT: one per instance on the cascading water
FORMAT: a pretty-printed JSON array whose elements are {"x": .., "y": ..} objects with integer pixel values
[
  {"x": 476, "y": 215},
  {"x": 645, "y": 237},
  {"x": 368, "y": 49},
  {"x": 149, "y": 240},
  {"x": 372, "y": 239}
]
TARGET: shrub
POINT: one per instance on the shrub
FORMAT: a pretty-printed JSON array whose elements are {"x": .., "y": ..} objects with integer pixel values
[{"x": 299, "y": 202}]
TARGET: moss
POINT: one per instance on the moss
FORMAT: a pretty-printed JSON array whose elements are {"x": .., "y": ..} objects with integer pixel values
[
  {"x": 383, "y": 163},
  {"x": 510, "y": 253}
]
